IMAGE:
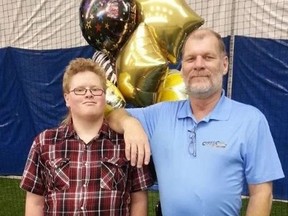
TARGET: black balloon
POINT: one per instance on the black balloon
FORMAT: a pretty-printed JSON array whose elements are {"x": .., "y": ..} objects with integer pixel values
[{"x": 107, "y": 24}]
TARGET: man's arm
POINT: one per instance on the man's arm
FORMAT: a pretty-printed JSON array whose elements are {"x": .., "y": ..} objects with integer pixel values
[
  {"x": 260, "y": 201},
  {"x": 139, "y": 203},
  {"x": 137, "y": 147},
  {"x": 34, "y": 205}
]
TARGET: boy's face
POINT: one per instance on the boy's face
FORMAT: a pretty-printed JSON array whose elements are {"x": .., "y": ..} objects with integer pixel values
[{"x": 86, "y": 106}]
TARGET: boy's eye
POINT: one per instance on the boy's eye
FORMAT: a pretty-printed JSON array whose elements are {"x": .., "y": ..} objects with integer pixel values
[
  {"x": 80, "y": 90},
  {"x": 96, "y": 90}
]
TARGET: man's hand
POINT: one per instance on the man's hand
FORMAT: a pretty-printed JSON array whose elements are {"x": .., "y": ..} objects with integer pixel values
[{"x": 137, "y": 147}]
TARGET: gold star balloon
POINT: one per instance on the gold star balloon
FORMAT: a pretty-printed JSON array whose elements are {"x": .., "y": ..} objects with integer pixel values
[
  {"x": 170, "y": 21},
  {"x": 157, "y": 40},
  {"x": 140, "y": 67}
]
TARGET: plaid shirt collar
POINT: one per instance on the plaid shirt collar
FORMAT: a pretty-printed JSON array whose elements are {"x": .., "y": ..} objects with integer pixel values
[{"x": 67, "y": 131}]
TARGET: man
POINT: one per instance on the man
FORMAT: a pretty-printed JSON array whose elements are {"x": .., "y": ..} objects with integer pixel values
[
  {"x": 205, "y": 148},
  {"x": 79, "y": 168}
]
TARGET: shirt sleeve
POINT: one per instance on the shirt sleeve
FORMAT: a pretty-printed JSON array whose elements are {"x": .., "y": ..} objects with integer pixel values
[
  {"x": 262, "y": 161},
  {"x": 141, "y": 178}
]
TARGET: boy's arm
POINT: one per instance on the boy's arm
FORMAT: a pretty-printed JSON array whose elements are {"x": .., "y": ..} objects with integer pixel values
[
  {"x": 34, "y": 205},
  {"x": 139, "y": 203}
]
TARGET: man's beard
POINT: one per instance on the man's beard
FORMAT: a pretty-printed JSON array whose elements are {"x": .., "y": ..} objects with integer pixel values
[{"x": 204, "y": 91}]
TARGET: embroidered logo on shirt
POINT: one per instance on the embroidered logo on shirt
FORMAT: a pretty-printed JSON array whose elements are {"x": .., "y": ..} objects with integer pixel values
[{"x": 217, "y": 144}]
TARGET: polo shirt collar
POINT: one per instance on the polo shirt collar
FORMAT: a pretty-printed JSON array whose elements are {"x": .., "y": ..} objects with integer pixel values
[{"x": 221, "y": 111}]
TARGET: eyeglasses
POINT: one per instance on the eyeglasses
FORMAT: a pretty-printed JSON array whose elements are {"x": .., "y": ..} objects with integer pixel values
[
  {"x": 192, "y": 143},
  {"x": 83, "y": 91}
]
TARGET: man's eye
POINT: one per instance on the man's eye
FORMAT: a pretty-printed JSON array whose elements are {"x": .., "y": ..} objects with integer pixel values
[
  {"x": 208, "y": 57},
  {"x": 189, "y": 59}
]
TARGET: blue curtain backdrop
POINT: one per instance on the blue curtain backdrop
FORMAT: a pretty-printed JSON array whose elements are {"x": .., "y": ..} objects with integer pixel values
[{"x": 31, "y": 99}]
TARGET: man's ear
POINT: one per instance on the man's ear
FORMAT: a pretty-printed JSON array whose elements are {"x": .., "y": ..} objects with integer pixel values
[{"x": 225, "y": 65}]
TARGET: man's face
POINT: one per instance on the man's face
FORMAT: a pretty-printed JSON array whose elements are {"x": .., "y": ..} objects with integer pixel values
[
  {"x": 203, "y": 66},
  {"x": 86, "y": 106}
]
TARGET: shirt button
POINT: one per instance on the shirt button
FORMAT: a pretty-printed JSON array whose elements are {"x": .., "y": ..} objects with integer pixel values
[
  {"x": 82, "y": 208},
  {"x": 84, "y": 185}
]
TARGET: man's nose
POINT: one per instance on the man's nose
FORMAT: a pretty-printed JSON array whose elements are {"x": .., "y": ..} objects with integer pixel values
[{"x": 199, "y": 62}]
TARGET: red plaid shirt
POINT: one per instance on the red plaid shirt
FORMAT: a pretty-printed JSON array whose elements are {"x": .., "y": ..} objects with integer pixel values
[{"x": 82, "y": 179}]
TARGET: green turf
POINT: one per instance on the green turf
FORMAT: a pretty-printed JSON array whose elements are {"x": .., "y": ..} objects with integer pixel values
[{"x": 12, "y": 200}]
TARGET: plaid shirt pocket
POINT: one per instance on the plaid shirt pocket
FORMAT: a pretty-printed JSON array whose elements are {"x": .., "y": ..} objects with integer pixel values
[
  {"x": 57, "y": 174},
  {"x": 114, "y": 174}
]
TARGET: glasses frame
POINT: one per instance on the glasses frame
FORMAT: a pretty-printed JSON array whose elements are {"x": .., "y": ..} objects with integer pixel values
[{"x": 97, "y": 91}]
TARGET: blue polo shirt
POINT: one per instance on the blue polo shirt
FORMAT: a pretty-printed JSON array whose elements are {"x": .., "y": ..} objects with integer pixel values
[{"x": 201, "y": 166}]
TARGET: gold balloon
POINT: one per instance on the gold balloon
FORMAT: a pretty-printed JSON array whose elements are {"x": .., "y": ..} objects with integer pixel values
[
  {"x": 172, "y": 87},
  {"x": 140, "y": 66},
  {"x": 142, "y": 62},
  {"x": 114, "y": 98},
  {"x": 170, "y": 21}
]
